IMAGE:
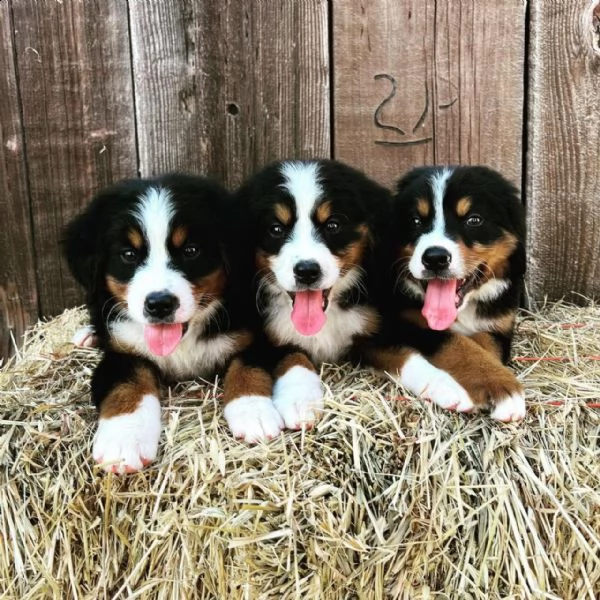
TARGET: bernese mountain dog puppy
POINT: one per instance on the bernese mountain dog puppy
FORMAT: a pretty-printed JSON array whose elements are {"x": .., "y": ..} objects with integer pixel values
[
  {"x": 458, "y": 250},
  {"x": 156, "y": 258},
  {"x": 313, "y": 225}
]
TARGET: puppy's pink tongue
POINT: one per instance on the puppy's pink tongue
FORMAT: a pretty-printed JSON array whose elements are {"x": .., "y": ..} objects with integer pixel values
[
  {"x": 440, "y": 303},
  {"x": 308, "y": 315},
  {"x": 162, "y": 339}
]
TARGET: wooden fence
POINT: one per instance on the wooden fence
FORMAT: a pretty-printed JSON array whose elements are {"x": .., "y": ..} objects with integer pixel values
[{"x": 92, "y": 91}]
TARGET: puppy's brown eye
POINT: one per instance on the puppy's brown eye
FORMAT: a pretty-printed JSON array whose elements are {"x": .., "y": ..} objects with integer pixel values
[
  {"x": 276, "y": 230},
  {"x": 332, "y": 226},
  {"x": 129, "y": 256},
  {"x": 474, "y": 220},
  {"x": 191, "y": 251},
  {"x": 417, "y": 221}
]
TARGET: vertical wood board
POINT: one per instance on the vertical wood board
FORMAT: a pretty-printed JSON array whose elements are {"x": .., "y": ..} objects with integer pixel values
[
  {"x": 18, "y": 288},
  {"x": 223, "y": 88},
  {"x": 563, "y": 166},
  {"x": 428, "y": 82},
  {"x": 75, "y": 79}
]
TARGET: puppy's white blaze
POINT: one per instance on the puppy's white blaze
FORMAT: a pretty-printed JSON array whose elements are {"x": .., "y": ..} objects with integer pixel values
[
  {"x": 510, "y": 409},
  {"x": 298, "y": 396},
  {"x": 253, "y": 418},
  {"x": 154, "y": 215},
  {"x": 437, "y": 236},
  {"x": 122, "y": 442},
  {"x": 301, "y": 181},
  {"x": 421, "y": 378}
]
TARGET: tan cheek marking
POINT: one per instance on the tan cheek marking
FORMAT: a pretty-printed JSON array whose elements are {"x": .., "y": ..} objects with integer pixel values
[
  {"x": 297, "y": 359},
  {"x": 135, "y": 238},
  {"x": 179, "y": 236},
  {"x": 117, "y": 288},
  {"x": 353, "y": 254},
  {"x": 210, "y": 286},
  {"x": 125, "y": 398},
  {"x": 463, "y": 206},
  {"x": 242, "y": 380},
  {"x": 495, "y": 256},
  {"x": 283, "y": 213},
  {"x": 423, "y": 207},
  {"x": 323, "y": 211}
]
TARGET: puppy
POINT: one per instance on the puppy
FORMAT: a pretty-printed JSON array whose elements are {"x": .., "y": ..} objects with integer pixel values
[
  {"x": 313, "y": 227},
  {"x": 457, "y": 244},
  {"x": 155, "y": 258}
]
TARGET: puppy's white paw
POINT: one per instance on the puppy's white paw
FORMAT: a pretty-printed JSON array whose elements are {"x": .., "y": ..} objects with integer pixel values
[
  {"x": 426, "y": 381},
  {"x": 510, "y": 409},
  {"x": 253, "y": 418},
  {"x": 126, "y": 443},
  {"x": 85, "y": 337},
  {"x": 298, "y": 396}
]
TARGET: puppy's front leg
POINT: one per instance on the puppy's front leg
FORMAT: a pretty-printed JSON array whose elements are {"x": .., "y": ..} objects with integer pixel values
[
  {"x": 420, "y": 376},
  {"x": 125, "y": 389},
  {"x": 482, "y": 374},
  {"x": 249, "y": 410},
  {"x": 298, "y": 393}
]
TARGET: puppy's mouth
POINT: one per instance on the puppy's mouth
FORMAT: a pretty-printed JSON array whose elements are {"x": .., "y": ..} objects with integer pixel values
[
  {"x": 443, "y": 298},
  {"x": 308, "y": 310},
  {"x": 324, "y": 301},
  {"x": 163, "y": 338}
]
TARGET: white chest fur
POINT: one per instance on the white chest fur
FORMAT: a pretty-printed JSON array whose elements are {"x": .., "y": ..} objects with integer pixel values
[{"x": 332, "y": 342}]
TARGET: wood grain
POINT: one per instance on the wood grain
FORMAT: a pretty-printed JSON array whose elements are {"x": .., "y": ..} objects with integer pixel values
[
  {"x": 563, "y": 172},
  {"x": 225, "y": 87},
  {"x": 75, "y": 79},
  {"x": 18, "y": 288},
  {"x": 456, "y": 101}
]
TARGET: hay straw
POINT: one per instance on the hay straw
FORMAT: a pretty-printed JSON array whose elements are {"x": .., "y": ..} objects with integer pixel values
[{"x": 387, "y": 498}]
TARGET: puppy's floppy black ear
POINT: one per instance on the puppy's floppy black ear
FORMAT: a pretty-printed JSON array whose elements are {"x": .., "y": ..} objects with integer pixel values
[{"x": 80, "y": 246}]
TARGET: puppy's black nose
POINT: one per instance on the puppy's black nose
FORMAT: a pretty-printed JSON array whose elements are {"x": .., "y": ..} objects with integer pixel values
[
  {"x": 436, "y": 259},
  {"x": 160, "y": 305},
  {"x": 307, "y": 271}
]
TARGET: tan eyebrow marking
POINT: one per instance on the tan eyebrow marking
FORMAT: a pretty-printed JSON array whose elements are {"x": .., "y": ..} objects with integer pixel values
[
  {"x": 135, "y": 238},
  {"x": 179, "y": 236},
  {"x": 323, "y": 211},
  {"x": 423, "y": 207},
  {"x": 283, "y": 213},
  {"x": 463, "y": 206}
]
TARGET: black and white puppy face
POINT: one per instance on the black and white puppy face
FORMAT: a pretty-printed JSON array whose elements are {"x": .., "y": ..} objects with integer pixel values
[
  {"x": 459, "y": 234},
  {"x": 151, "y": 252},
  {"x": 311, "y": 231}
]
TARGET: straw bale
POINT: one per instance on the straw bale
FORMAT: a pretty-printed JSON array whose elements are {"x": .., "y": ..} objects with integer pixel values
[{"x": 388, "y": 497}]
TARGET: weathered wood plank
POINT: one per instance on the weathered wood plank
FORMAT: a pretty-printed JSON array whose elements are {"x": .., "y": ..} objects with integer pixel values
[
  {"x": 18, "y": 289},
  {"x": 224, "y": 87},
  {"x": 383, "y": 84},
  {"x": 75, "y": 79},
  {"x": 563, "y": 174},
  {"x": 421, "y": 83}
]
